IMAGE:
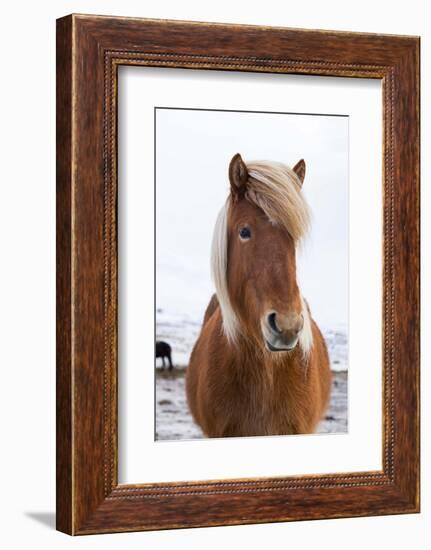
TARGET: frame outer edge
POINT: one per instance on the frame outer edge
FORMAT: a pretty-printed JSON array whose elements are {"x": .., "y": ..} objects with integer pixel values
[
  {"x": 64, "y": 367},
  {"x": 407, "y": 268}
]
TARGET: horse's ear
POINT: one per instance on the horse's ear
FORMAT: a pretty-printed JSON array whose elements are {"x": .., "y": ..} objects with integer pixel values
[
  {"x": 238, "y": 176},
  {"x": 299, "y": 170}
]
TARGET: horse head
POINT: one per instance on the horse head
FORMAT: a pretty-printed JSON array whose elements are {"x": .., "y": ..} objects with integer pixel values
[{"x": 254, "y": 255}]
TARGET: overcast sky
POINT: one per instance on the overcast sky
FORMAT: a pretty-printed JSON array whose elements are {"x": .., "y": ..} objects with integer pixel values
[{"x": 193, "y": 150}]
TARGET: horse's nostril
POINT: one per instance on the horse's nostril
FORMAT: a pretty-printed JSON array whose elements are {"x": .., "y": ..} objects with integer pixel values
[{"x": 272, "y": 323}]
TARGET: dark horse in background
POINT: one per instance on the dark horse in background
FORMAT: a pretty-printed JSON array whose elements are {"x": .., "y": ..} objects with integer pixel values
[{"x": 163, "y": 349}]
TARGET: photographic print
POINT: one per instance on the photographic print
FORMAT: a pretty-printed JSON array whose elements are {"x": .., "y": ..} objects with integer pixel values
[{"x": 251, "y": 277}]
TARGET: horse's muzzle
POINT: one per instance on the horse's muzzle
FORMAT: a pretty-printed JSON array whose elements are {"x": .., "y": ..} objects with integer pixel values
[{"x": 281, "y": 332}]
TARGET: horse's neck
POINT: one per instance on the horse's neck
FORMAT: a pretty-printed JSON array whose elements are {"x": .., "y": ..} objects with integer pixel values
[
  {"x": 268, "y": 386},
  {"x": 251, "y": 361}
]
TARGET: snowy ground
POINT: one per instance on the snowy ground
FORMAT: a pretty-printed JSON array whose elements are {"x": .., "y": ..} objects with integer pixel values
[{"x": 173, "y": 419}]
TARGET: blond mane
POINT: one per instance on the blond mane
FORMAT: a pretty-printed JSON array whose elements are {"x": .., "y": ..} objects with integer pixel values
[{"x": 276, "y": 189}]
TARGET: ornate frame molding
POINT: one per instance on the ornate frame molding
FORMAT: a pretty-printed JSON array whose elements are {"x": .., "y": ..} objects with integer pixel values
[{"x": 90, "y": 49}]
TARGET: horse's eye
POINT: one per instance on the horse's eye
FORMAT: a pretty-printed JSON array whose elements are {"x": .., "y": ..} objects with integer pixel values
[{"x": 244, "y": 233}]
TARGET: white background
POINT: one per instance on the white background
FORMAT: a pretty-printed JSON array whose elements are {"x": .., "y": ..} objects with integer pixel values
[
  {"x": 141, "y": 459},
  {"x": 27, "y": 115}
]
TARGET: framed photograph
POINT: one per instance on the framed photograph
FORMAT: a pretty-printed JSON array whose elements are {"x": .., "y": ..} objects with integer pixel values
[{"x": 237, "y": 274}]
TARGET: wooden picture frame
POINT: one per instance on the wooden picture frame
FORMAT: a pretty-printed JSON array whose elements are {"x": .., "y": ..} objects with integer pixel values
[{"x": 89, "y": 51}]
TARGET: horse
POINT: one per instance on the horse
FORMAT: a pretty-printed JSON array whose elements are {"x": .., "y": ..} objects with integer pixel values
[
  {"x": 260, "y": 365},
  {"x": 163, "y": 349}
]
